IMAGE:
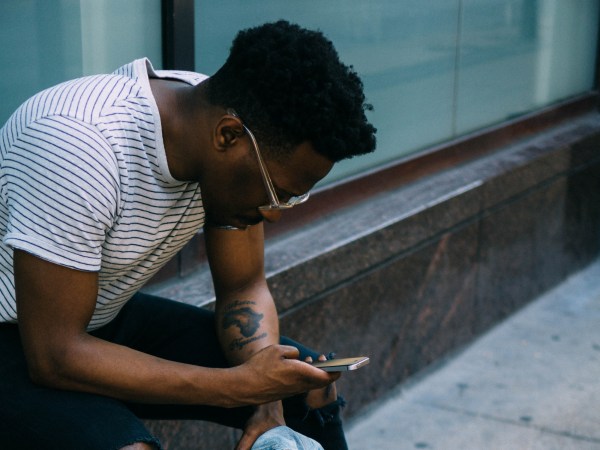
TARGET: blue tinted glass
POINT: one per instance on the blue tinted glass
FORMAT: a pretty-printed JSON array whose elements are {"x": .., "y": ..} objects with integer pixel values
[
  {"x": 518, "y": 55},
  {"x": 403, "y": 51},
  {"x": 115, "y": 32},
  {"x": 41, "y": 46},
  {"x": 435, "y": 69},
  {"x": 45, "y": 42}
]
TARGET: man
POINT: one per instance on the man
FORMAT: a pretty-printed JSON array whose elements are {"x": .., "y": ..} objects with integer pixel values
[{"x": 103, "y": 179}]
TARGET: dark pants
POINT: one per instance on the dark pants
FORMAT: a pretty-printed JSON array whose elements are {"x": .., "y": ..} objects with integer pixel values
[{"x": 34, "y": 417}]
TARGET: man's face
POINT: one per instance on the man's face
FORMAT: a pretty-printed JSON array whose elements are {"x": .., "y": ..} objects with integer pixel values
[{"x": 235, "y": 198}]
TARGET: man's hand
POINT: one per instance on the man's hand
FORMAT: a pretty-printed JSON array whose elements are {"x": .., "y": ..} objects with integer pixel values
[
  {"x": 275, "y": 373},
  {"x": 270, "y": 415}
]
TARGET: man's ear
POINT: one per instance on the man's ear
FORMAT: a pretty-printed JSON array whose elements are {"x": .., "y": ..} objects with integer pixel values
[{"x": 227, "y": 132}]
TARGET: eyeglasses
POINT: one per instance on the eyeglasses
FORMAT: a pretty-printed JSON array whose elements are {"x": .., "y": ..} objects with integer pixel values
[{"x": 274, "y": 203}]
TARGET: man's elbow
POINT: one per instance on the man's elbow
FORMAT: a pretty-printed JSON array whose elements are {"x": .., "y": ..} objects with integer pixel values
[{"x": 47, "y": 369}]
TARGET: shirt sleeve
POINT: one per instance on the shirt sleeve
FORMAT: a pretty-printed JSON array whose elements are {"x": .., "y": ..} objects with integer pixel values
[{"x": 61, "y": 186}]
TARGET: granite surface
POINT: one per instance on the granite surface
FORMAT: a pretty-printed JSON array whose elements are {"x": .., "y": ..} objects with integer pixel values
[
  {"x": 402, "y": 315},
  {"x": 530, "y": 383}
]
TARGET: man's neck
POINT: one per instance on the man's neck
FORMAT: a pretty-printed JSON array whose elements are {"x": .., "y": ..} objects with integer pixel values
[{"x": 183, "y": 127}]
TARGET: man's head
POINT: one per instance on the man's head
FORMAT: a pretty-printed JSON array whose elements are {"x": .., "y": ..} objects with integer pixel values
[{"x": 289, "y": 87}]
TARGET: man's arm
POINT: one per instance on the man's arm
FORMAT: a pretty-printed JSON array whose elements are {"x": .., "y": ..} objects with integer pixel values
[
  {"x": 246, "y": 316},
  {"x": 55, "y": 305}
]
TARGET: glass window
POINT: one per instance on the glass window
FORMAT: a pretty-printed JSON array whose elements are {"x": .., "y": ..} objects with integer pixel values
[
  {"x": 519, "y": 55},
  {"x": 433, "y": 70},
  {"x": 45, "y": 42},
  {"x": 115, "y": 32}
]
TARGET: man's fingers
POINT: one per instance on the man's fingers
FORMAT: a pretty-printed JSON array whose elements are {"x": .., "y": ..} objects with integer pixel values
[
  {"x": 289, "y": 352},
  {"x": 277, "y": 372},
  {"x": 309, "y": 359}
]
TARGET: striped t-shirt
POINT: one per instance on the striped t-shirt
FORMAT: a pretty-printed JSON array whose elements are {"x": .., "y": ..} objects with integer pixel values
[{"x": 84, "y": 183}]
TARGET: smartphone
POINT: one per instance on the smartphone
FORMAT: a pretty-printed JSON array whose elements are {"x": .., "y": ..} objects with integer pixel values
[{"x": 342, "y": 364}]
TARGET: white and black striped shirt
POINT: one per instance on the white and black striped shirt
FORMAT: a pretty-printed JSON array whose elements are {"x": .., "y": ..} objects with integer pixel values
[{"x": 84, "y": 183}]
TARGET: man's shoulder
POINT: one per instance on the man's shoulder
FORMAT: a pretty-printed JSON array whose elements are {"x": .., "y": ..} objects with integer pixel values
[{"x": 81, "y": 99}]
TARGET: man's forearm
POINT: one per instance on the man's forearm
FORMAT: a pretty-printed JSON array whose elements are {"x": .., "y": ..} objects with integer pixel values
[
  {"x": 246, "y": 324},
  {"x": 97, "y": 366}
]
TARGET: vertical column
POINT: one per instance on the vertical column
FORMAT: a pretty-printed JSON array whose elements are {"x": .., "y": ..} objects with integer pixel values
[{"x": 178, "y": 34}]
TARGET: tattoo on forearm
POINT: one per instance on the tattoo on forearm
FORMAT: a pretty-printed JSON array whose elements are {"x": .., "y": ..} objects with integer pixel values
[
  {"x": 239, "y": 343},
  {"x": 240, "y": 314}
]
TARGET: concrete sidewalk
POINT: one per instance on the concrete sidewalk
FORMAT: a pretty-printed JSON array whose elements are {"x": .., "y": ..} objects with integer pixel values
[{"x": 532, "y": 382}]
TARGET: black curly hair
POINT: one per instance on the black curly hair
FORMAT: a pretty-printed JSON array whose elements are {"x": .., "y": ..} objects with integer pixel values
[{"x": 289, "y": 86}]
